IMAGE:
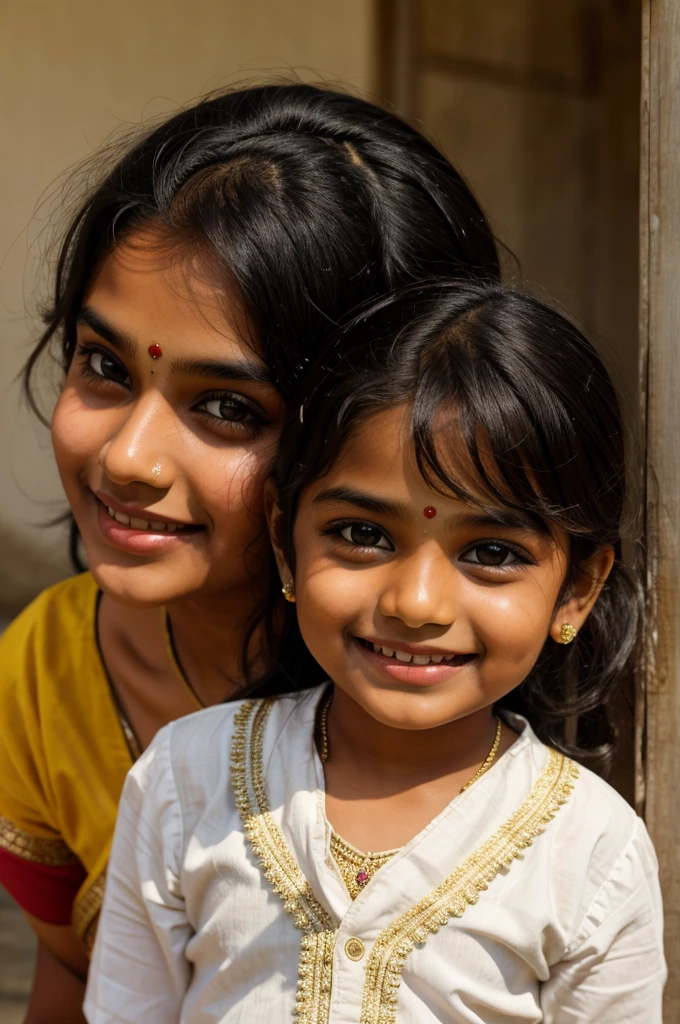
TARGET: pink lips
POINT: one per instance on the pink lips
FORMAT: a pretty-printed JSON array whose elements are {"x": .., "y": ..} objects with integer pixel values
[
  {"x": 139, "y": 542},
  {"x": 415, "y": 675}
]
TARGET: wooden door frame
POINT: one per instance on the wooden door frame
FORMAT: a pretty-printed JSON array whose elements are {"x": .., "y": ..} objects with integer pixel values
[{"x": 658, "y": 701}]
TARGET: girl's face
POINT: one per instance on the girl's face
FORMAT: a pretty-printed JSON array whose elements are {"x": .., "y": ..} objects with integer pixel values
[
  {"x": 422, "y": 618},
  {"x": 163, "y": 459}
]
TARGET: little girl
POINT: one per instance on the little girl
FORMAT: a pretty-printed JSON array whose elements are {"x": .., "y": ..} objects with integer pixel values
[{"x": 413, "y": 841}]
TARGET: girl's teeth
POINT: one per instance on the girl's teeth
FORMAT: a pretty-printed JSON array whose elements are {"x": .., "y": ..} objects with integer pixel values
[
  {"x": 437, "y": 658},
  {"x": 421, "y": 659},
  {"x": 139, "y": 524},
  {"x": 388, "y": 652},
  {"x": 157, "y": 526},
  {"x": 402, "y": 656},
  {"x": 122, "y": 518}
]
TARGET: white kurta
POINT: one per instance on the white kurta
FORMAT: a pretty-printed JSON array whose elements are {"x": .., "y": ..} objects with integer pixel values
[{"x": 532, "y": 897}]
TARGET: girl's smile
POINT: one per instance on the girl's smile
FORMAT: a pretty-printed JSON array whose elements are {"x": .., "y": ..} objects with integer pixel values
[{"x": 420, "y": 665}]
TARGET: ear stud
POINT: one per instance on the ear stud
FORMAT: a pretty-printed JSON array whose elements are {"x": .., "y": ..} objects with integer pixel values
[
  {"x": 288, "y": 591},
  {"x": 567, "y": 633}
]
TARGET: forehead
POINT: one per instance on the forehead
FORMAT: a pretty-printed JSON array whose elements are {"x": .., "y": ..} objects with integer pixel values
[{"x": 145, "y": 287}]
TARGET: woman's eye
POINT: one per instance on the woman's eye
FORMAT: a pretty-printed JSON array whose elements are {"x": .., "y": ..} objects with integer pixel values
[
  {"x": 491, "y": 553},
  {"x": 108, "y": 368},
  {"x": 229, "y": 410},
  {"x": 366, "y": 536}
]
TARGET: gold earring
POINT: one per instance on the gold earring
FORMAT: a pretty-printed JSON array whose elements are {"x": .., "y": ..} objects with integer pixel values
[
  {"x": 567, "y": 633},
  {"x": 288, "y": 591}
]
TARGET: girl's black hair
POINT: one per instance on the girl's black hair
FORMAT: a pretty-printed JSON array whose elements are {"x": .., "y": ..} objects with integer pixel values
[
  {"x": 312, "y": 201},
  {"x": 538, "y": 416}
]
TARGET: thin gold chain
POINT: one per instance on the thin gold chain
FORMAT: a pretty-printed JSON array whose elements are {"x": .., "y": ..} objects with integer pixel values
[{"x": 358, "y": 868}]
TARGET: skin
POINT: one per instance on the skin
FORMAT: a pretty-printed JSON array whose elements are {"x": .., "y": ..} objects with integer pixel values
[
  {"x": 187, "y": 438},
  {"x": 369, "y": 566}
]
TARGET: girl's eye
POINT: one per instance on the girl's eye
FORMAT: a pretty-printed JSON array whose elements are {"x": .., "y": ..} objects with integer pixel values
[
  {"x": 108, "y": 368},
  {"x": 491, "y": 553},
  {"x": 228, "y": 409},
  {"x": 365, "y": 535}
]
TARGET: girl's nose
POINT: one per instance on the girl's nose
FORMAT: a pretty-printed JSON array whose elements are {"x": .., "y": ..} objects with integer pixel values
[
  {"x": 421, "y": 590},
  {"x": 143, "y": 448}
]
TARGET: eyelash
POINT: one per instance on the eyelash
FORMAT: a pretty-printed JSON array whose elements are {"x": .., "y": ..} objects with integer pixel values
[
  {"x": 523, "y": 558},
  {"x": 85, "y": 352}
]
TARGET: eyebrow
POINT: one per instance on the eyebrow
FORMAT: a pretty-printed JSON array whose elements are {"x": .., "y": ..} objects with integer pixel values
[
  {"x": 508, "y": 518},
  {"x": 241, "y": 370},
  {"x": 119, "y": 339}
]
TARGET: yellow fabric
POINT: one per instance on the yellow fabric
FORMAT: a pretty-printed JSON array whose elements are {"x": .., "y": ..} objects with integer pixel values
[{"x": 63, "y": 754}]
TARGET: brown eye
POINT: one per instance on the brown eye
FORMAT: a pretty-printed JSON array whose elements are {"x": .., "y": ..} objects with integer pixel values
[
  {"x": 108, "y": 367},
  {"x": 365, "y": 535},
  {"x": 491, "y": 553},
  {"x": 228, "y": 409}
]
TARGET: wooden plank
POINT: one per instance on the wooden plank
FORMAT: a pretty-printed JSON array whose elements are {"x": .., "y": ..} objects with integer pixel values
[{"x": 659, "y": 749}]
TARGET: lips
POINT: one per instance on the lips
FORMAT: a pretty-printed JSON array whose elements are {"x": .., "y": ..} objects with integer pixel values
[
  {"x": 415, "y": 658},
  {"x": 145, "y": 524}
]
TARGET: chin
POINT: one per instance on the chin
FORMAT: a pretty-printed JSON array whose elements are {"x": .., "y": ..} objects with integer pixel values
[{"x": 142, "y": 586}]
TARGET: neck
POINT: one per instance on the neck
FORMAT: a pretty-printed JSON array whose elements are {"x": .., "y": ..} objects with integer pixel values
[
  {"x": 209, "y": 632},
  {"x": 413, "y": 756}
]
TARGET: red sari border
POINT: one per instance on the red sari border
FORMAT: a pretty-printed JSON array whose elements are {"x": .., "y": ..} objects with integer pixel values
[{"x": 46, "y": 891}]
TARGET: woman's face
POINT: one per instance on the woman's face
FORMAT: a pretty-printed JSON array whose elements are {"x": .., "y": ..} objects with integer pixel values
[
  {"x": 420, "y": 607},
  {"x": 163, "y": 459}
]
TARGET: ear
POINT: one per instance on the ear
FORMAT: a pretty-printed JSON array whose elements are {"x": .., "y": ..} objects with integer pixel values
[
  {"x": 584, "y": 592},
  {"x": 277, "y": 528}
]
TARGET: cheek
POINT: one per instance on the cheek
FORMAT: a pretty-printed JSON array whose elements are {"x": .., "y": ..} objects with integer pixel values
[
  {"x": 230, "y": 485},
  {"x": 75, "y": 432},
  {"x": 512, "y": 622}
]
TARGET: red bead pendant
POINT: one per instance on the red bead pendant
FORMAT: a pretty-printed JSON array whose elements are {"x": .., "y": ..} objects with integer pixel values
[
  {"x": 155, "y": 351},
  {"x": 430, "y": 512},
  {"x": 362, "y": 877}
]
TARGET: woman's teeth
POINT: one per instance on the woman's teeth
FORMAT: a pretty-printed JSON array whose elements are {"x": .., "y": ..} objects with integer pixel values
[
  {"x": 412, "y": 659},
  {"x": 143, "y": 524}
]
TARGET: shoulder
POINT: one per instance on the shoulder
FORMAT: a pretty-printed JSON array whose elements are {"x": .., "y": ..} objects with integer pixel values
[
  {"x": 602, "y": 863},
  {"x": 55, "y": 620},
  {"x": 197, "y": 750}
]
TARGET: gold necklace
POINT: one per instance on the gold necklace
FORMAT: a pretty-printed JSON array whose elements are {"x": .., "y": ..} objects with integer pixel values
[{"x": 358, "y": 868}]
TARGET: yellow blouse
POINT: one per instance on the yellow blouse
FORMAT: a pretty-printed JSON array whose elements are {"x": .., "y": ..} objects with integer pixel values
[{"x": 64, "y": 753}]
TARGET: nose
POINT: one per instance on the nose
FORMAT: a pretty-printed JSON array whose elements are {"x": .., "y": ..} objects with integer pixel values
[
  {"x": 143, "y": 448},
  {"x": 421, "y": 589}
]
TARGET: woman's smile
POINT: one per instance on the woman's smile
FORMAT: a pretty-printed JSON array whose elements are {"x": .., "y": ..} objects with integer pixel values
[{"x": 138, "y": 530}]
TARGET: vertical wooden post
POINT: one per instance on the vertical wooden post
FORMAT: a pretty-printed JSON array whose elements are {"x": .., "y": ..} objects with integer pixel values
[{"x": 659, "y": 704}]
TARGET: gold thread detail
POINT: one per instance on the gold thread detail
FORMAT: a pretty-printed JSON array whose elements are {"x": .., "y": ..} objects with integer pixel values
[
  {"x": 86, "y": 909},
  {"x": 279, "y": 867},
  {"x": 48, "y": 852},
  {"x": 461, "y": 889},
  {"x": 351, "y": 862}
]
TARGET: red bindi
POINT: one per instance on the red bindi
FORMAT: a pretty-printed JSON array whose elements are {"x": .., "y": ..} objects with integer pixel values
[
  {"x": 430, "y": 512},
  {"x": 155, "y": 351}
]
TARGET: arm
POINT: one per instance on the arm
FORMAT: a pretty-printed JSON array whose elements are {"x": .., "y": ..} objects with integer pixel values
[
  {"x": 614, "y": 970},
  {"x": 139, "y": 970},
  {"x": 58, "y": 991}
]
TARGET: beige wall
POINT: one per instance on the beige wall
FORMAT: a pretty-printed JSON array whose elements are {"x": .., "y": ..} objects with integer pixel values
[{"x": 70, "y": 74}]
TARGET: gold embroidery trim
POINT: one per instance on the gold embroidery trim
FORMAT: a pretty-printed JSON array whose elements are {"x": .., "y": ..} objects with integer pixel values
[
  {"x": 461, "y": 889},
  {"x": 50, "y": 852},
  {"x": 86, "y": 910},
  {"x": 279, "y": 867}
]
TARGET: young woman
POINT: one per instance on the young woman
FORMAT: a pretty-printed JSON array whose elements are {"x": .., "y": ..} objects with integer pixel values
[
  {"x": 413, "y": 842},
  {"x": 193, "y": 287}
]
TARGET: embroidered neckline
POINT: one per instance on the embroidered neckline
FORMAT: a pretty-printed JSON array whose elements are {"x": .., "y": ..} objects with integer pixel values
[{"x": 391, "y": 949}]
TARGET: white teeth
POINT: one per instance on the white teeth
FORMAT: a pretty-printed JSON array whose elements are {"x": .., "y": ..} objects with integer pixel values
[
  {"x": 145, "y": 524},
  {"x": 139, "y": 524},
  {"x": 410, "y": 659},
  {"x": 436, "y": 658},
  {"x": 376, "y": 648},
  {"x": 122, "y": 518},
  {"x": 157, "y": 526},
  {"x": 112, "y": 513},
  {"x": 388, "y": 652},
  {"x": 421, "y": 659},
  {"x": 402, "y": 656}
]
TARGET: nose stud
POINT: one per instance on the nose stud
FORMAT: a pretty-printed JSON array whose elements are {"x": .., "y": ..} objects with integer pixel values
[
  {"x": 156, "y": 472},
  {"x": 155, "y": 351},
  {"x": 429, "y": 512}
]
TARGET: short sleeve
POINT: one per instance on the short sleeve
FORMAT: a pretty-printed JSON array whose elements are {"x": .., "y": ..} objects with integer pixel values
[
  {"x": 37, "y": 867},
  {"x": 614, "y": 969},
  {"x": 139, "y": 970}
]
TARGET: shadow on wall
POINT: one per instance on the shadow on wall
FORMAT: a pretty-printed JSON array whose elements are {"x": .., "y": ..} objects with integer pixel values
[
  {"x": 26, "y": 569},
  {"x": 17, "y": 954}
]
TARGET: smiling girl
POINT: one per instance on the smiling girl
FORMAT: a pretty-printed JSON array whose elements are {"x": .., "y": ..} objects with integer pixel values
[
  {"x": 194, "y": 286},
  {"x": 447, "y": 522}
]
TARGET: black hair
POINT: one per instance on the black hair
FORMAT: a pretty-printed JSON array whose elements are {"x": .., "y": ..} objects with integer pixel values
[
  {"x": 538, "y": 417},
  {"x": 310, "y": 200}
]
